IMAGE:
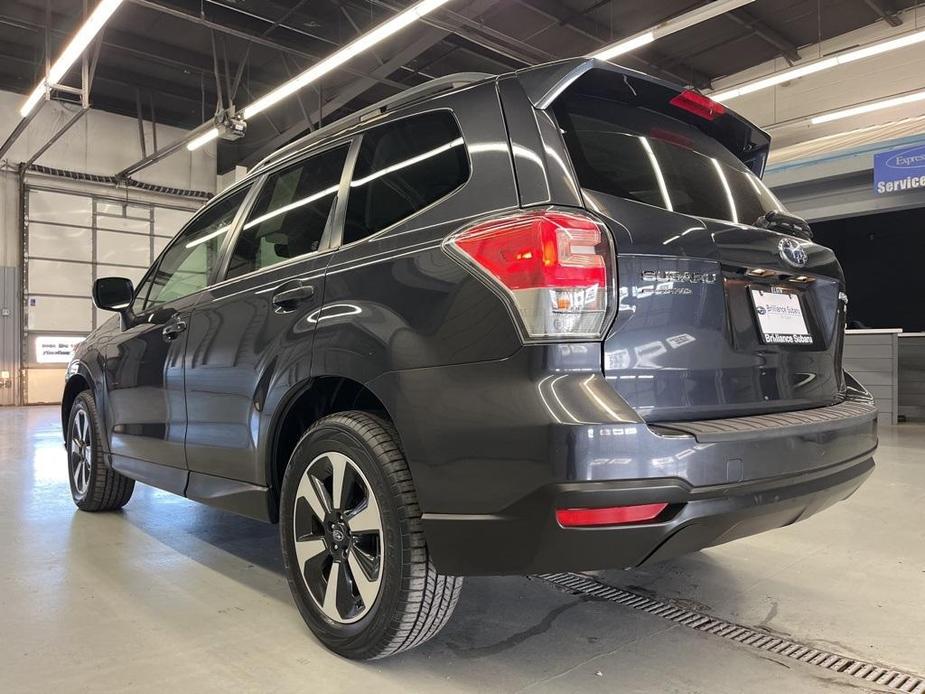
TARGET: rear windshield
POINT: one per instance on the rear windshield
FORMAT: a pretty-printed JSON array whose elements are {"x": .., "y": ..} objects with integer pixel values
[{"x": 651, "y": 158}]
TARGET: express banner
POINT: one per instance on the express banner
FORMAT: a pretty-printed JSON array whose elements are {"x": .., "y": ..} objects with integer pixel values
[{"x": 899, "y": 170}]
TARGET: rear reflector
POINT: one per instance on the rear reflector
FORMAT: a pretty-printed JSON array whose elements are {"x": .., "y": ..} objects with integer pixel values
[
  {"x": 612, "y": 515},
  {"x": 698, "y": 104},
  {"x": 555, "y": 266}
]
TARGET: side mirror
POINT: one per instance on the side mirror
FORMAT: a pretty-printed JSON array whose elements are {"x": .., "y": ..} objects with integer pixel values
[{"x": 113, "y": 293}]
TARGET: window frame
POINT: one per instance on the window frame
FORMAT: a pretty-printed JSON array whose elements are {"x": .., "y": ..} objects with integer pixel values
[
  {"x": 222, "y": 251},
  {"x": 351, "y": 163},
  {"x": 332, "y": 235}
]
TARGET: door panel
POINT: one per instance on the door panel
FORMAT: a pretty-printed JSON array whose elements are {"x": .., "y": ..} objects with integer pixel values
[
  {"x": 144, "y": 379},
  {"x": 253, "y": 333},
  {"x": 144, "y": 361},
  {"x": 239, "y": 347}
]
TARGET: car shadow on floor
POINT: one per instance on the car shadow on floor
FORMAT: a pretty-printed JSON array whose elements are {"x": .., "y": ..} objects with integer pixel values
[{"x": 495, "y": 614}]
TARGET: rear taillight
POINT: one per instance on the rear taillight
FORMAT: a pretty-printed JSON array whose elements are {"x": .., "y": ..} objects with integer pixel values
[{"x": 556, "y": 267}]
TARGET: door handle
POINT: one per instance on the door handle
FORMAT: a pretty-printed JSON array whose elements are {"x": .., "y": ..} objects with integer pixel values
[
  {"x": 173, "y": 329},
  {"x": 290, "y": 294}
]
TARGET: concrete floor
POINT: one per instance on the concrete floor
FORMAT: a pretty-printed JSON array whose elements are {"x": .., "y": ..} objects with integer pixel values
[{"x": 169, "y": 595}]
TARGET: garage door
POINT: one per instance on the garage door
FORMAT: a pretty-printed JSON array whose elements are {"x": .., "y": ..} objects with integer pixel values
[{"x": 70, "y": 238}]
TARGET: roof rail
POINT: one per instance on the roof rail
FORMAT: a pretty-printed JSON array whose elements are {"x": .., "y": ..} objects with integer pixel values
[{"x": 410, "y": 95}]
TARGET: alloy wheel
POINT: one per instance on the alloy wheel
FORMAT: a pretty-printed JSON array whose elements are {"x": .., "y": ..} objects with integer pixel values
[
  {"x": 337, "y": 527},
  {"x": 81, "y": 452}
]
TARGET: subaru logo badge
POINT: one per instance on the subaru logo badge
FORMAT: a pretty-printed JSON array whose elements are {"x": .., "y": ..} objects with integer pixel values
[{"x": 792, "y": 252}]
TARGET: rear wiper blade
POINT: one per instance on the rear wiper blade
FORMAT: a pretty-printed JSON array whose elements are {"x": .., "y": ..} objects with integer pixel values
[{"x": 777, "y": 220}]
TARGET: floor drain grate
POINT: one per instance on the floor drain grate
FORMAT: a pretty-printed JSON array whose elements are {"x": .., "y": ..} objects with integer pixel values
[{"x": 869, "y": 672}]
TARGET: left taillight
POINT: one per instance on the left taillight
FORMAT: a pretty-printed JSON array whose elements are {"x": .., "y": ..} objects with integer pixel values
[{"x": 555, "y": 266}]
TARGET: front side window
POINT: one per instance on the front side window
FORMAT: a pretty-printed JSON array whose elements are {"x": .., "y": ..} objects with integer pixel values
[
  {"x": 187, "y": 264},
  {"x": 291, "y": 213},
  {"x": 402, "y": 168},
  {"x": 658, "y": 168}
]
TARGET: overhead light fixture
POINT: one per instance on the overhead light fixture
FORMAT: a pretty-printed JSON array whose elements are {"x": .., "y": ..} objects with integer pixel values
[
  {"x": 868, "y": 108},
  {"x": 207, "y": 136},
  {"x": 820, "y": 65},
  {"x": 626, "y": 46},
  {"x": 669, "y": 26},
  {"x": 72, "y": 52},
  {"x": 352, "y": 49}
]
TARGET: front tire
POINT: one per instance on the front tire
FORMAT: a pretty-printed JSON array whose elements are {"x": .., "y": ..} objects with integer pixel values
[
  {"x": 94, "y": 485},
  {"x": 353, "y": 542}
]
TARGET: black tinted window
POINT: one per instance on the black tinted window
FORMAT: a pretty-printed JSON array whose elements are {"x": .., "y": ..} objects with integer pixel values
[
  {"x": 187, "y": 264},
  {"x": 290, "y": 214},
  {"x": 658, "y": 168},
  {"x": 402, "y": 168}
]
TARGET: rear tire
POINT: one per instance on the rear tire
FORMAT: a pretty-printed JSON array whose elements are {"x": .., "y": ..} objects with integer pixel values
[
  {"x": 94, "y": 485},
  {"x": 388, "y": 596}
]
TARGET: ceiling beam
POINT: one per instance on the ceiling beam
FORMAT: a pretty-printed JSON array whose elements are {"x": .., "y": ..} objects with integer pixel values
[
  {"x": 886, "y": 11},
  {"x": 183, "y": 60},
  {"x": 426, "y": 38},
  {"x": 246, "y": 36},
  {"x": 598, "y": 35},
  {"x": 766, "y": 33}
]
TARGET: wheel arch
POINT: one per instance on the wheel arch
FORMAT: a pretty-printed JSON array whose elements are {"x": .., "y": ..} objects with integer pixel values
[
  {"x": 304, "y": 405},
  {"x": 78, "y": 380}
]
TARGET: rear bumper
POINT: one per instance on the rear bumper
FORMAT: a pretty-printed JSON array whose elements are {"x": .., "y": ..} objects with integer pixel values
[
  {"x": 496, "y": 447},
  {"x": 527, "y": 539}
]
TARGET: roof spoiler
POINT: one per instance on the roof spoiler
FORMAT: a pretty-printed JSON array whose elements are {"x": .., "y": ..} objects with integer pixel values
[{"x": 544, "y": 83}]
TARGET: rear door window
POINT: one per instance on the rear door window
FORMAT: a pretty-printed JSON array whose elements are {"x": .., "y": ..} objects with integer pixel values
[
  {"x": 402, "y": 168},
  {"x": 291, "y": 213},
  {"x": 659, "y": 166}
]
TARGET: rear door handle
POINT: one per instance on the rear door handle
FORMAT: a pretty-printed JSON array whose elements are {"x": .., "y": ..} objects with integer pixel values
[
  {"x": 290, "y": 294},
  {"x": 173, "y": 329}
]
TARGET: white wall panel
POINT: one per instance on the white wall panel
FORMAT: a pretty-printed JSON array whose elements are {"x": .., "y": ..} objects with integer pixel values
[
  {"x": 124, "y": 249},
  {"x": 121, "y": 209},
  {"x": 60, "y": 277},
  {"x": 133, "y": 273},
  {"x": 45, "y": 206},
  {"x": 59, "y": 314},
  {"x": 159, "y": 243},
  {"x": 167, "y": 222},
  {"x": 44, "y": 386},
  {"x": 53, "y": 241},
  {"x": 138, "y": 226}
]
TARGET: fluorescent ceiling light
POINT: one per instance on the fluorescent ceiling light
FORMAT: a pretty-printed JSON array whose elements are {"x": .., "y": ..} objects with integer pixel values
[
  {"x": 72, "y": 52},
  {"x": 669, "y": 26},
  {"x": 868, "y": 108},
  {"x": 626, "y": 46},
  {"x": 198, "y": 142},
  {"x": 846, "y": 57},
  {"x": 352, "y": 49}
]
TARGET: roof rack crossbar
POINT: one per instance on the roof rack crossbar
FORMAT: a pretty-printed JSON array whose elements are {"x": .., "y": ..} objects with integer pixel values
[{"x": 429, "y": 88}]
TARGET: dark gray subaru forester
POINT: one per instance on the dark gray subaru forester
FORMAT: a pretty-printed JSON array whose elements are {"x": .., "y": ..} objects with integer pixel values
[{"x": 541, "y": 322}]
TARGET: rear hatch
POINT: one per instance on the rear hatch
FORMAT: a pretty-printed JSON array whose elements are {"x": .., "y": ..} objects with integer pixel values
[{"x": 717, "y": 317}]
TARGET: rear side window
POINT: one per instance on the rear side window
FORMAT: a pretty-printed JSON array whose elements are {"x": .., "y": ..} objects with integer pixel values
[
  {"x": 658, "y": 164},
  {"x": 291, "y": 213},
  {"x": 402, "y": 168}
]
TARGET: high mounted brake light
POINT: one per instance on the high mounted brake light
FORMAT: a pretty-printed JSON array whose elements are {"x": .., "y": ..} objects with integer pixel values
[
  {"x": 556, "y": 267},
  {"x": 698, "y": 104}
]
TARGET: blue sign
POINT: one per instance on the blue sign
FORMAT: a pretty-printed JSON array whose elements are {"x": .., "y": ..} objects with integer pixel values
[{"x": 899, "y": 170}]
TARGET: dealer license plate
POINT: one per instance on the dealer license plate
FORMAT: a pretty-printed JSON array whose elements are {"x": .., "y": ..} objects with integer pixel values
[{"x": 780, "y": 317}]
